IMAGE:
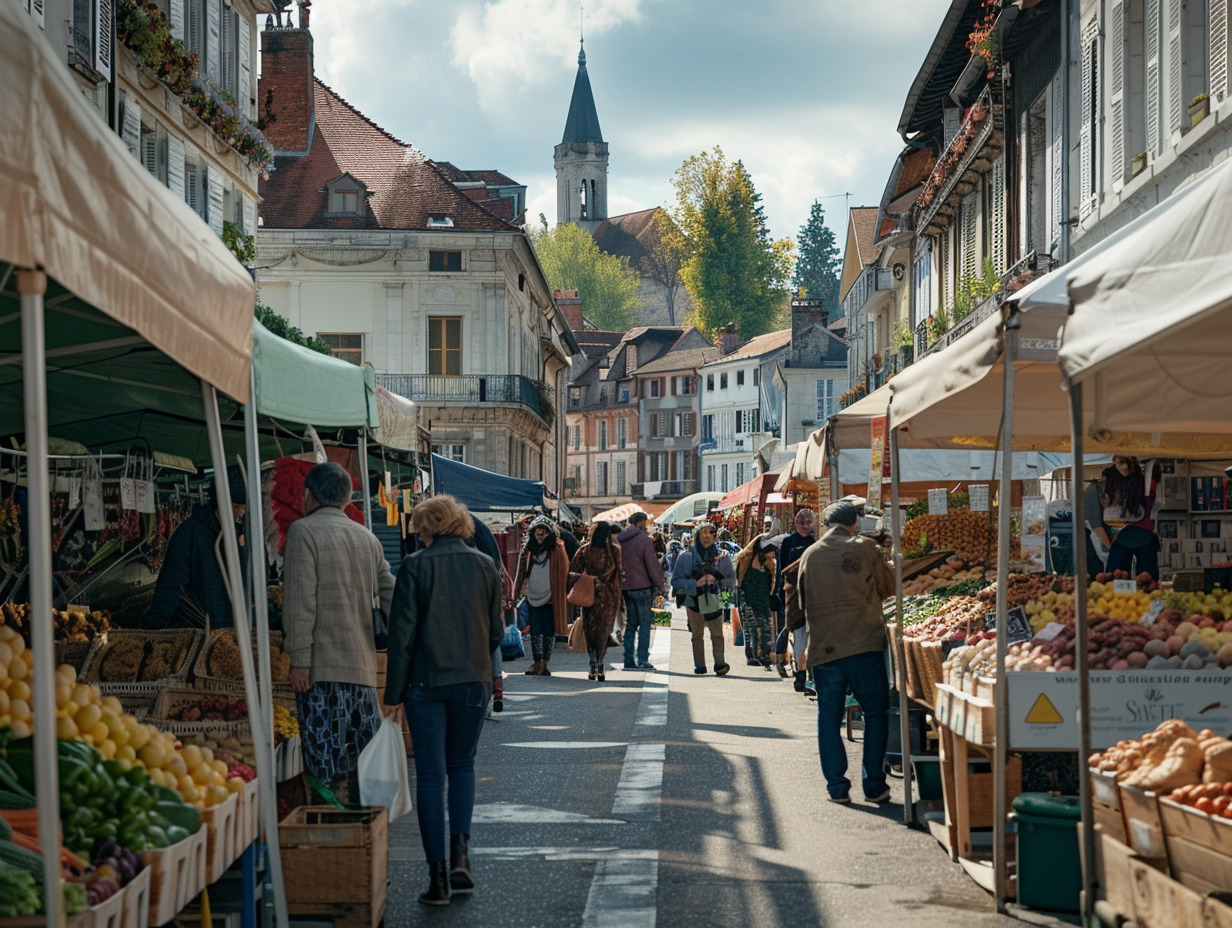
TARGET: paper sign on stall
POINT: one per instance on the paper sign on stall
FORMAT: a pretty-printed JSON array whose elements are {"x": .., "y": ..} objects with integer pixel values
[
  {"x": 938, "y": 502},
  {"x": 977, "y": 495},
  {"x": 875, "y": 462}
]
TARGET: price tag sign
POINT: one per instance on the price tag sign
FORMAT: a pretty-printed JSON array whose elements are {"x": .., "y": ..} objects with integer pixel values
[
  {"x": 938, "y": 502},
  {"x": 977, "y": 494},
  {"x": 1017, "y": 625},
  {"x": 1152, "y": 613},
  {"x": 1125, "y": 587},
  {"x": 1050, "y": 631}
]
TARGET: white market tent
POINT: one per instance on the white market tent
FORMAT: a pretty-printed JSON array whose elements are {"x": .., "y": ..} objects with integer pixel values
[{"x": 101, "y": 263}]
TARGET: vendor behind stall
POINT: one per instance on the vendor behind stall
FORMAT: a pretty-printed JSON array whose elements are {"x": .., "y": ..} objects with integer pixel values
[{"x": 191, "y": 584}]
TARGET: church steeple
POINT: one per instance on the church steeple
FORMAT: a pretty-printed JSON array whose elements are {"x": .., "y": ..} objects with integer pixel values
[{"x": 581, "y": 159}]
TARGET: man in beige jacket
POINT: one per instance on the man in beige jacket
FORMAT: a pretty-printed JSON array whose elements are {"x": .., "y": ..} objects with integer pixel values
[
  {"x": 843, "y": 580},
  {"x": 333, "y": 569}
]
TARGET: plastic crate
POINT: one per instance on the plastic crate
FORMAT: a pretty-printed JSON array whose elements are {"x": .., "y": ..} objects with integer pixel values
[{"x": 1049, "y": 870}]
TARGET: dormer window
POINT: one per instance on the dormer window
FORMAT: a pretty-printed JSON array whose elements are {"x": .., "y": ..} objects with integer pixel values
[
  {"x": 345, "y": 196},
  {"x": 440, "y": 222}
]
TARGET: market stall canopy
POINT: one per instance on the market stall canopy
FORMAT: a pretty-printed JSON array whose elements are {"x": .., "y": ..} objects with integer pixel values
[
  {"x": 849, "y": 427},
  {"x": 399, "y": 421},
  {"x": 748, "y": 492},
  {"x": 1150, "y": 326},
  {"x": 688, "y": 508},
  {"x": 483, "y": 490},
  {"x": 300, "y": 385},
  {"x": 78, "y": 206},
  {"x": 617, "y": 513}
]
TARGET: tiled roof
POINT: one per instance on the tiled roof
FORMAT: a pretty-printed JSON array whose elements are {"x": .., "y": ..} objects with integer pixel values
[
  {"x": 629, "y": 236},
  {"x": 405, "y": 187},
  {"x": 864, "y": 221},
  {"x": 689, "y": 359},
  {"x": 491, "y": 178},
  {"x": 756, "y": 347}
]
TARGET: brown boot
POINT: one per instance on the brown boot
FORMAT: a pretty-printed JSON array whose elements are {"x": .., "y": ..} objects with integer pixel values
[
  {"x": 534, "y": 669},
  {"x": 543, "y": 669}
]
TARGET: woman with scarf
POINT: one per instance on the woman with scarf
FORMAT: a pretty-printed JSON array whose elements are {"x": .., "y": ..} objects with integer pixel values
[
  {"x": 755, "y": 569},
  {"x": 543, "y": 570},
  {"x": 599, "y": 558},
  {"x": 1119, "y": 506},
  {"x": 701, "y": 573}
]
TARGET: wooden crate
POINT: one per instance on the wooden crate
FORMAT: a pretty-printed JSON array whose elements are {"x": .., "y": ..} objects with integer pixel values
[
  {"x": 1106, "y": 805},
  {"x": 336, "y": 860},
  {"x": 137, "y": 901},
  {"x": 177, "y": 876},
  {"x": 1143, "y": 828},
  {"x": 1199, "y": 847},
  {"x": 221, "y": 844},
  {"x": 980, "y": 789}
]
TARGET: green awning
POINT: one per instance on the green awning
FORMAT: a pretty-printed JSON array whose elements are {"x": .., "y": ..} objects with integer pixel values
[{"x": 296, "y": 384}]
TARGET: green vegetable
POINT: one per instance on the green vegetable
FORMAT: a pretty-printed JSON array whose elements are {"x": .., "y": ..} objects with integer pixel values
[
  {"x": 180, "y": 814},
  {"x": 16, "y": 856}
]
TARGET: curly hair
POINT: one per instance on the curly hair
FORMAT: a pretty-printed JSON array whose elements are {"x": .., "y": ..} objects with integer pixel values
[
  {"x": 442, "y": 515},
  {"x": 1126, "y": 492}
]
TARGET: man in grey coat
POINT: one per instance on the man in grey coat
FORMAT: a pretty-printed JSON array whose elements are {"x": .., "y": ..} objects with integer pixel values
[{"x": 334, "y": 572}]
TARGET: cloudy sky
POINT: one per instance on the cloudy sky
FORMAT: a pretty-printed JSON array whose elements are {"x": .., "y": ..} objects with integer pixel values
[{"x": 807, "y": 93}]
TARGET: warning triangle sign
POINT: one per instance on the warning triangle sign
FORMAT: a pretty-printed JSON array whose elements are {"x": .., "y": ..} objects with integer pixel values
[{"x": 1044, "y": 712}]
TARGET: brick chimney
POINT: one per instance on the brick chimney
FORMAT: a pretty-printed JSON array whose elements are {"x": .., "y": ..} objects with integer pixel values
[
  {"x": 570, "y": 304},
  {"x": 728, "y": 342},
  {"x": 809, "y": 342},
  {"x": 285, "y": 92}
]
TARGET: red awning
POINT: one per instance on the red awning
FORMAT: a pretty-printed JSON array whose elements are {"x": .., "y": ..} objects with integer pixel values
[{"x": 754, "y": 490}]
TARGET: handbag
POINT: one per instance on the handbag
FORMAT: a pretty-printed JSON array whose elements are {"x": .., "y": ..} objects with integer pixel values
[
  {"x": 577, "y": 637},
  {"x": 583, "y": 592}
]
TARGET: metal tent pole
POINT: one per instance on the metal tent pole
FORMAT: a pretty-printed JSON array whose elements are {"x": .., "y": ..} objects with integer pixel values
[
  {"x": 999, "y": 838},
  {"x": 32, "y": 285},
  {"x": 259, "y": 721},
  {"x": 1082, "y": 659},
  {"x": 900, "y": 647},
  {"x": 364, "y": 488}
]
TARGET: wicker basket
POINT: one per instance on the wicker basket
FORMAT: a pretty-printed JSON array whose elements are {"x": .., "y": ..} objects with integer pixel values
[
  {"x": 205, "y": 680},
  {"x": 98, "y": 650},
  {"x": 74, "y": 653}
]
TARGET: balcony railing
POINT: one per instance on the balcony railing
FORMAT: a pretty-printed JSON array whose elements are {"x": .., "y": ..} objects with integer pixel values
[
  {"x": 972, "y": 151},
  {"x": 467, "y": 389}
]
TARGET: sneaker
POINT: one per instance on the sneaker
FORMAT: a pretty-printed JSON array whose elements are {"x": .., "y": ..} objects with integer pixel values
[
  {"x": 646, "y": 667},
  {"x": 841, "y": 797},
  {"x": 810, "y": 692},
  {"x": 721, "y": 669},
  {"x": 629, "y": 666},
  {"x": 699, "y": 670},
  {"x": 883, "y": 796}
]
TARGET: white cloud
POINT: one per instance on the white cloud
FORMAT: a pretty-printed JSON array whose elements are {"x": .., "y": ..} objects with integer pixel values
[{"x": 510, "y": 45}]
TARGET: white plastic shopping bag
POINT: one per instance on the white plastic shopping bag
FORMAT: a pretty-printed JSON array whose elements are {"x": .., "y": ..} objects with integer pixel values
[{"x": 383, "y": 777}]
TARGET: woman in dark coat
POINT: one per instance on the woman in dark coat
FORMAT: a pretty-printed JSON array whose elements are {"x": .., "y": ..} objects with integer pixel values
[{"x": 599, "y": 557}]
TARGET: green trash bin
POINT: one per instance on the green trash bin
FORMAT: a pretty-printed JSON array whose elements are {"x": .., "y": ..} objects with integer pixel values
[{"x": 1049, "y": 868}]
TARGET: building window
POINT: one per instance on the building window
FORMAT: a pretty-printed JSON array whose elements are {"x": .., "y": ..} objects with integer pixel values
[
  {"x": 621, "y": 485},
  {"x": 603, "y": 435},
  {"x": 825, "y": 400},
  {"x": 739, "y": 473},
  {"x": 740, "y": 378},
  {"x": 601, "y": 478},
  {"x": 624, "y": 394},
  {"x": 687, "y": 386},
  {"x": 622, "y": 433},
  {"x": 710, "y": 382},
  {"x": 710, "y": 478},
  {"x": 444, "y": 345},
  {"x": 708, "y": 427},
  {"x": 451, "y": 452},
  {"x": 630, "y": 358},
  {"x": 445, "y": 261},
  {"x": 684, "y": 424},
  {"x": 756, "y": 378},
  {"x": 722, "y": 381},
  {"x": 347, "y": 346},
  {"x": 654, "y": 387},
  {"x": 575, "y": 397},
  {"x": 723, "y": 478},
  {"x": 344, "y": 201},
  {"x": 577, "y": 438},
  {"x": 440, "y": 222},
  {"x": 739, "y": 421}
]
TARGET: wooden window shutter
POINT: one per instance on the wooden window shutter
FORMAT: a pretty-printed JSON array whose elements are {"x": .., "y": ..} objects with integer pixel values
[
  {"x": 245, "y": 91},
  {"x": 175, "y": 19},
  {"x": 192, "y": 186},
  {"x": 250, "y": 217},
  {"x": 104, "y": 20},
  {"x": 1174, "y": 100},
  {"x": 1116, "y": 91},
  {"x": 998, "y": 246},
  {"x": 969, "y": 268},
  {"x": 213, "y": 38},
  {"x": 1056, "y": 156},
  {"x": 195, "y": 39},
  {"x": 214, "y": 189},
  {"x": 1153, "y": 88},
  {"x": 1219, "y": 49},
  {"x": 130, "y": 127},
  {"x": 1086, "y": 136},
  {"x": 175, "y": 166},
  {"x": 38, "y": 10}
]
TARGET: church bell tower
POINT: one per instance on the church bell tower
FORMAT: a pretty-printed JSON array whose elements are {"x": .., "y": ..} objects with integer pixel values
[{"x": 581, "y": 159}]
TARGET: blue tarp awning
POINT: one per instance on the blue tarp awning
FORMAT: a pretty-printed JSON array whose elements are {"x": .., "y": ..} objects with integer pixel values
[{"x": 483, "y": 490}]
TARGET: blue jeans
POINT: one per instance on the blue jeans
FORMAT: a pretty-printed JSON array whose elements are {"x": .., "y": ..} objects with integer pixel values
[
  {"x": 445, "y": 722},
  {"x": 637, "y": 605},
  {"x": 865, "y": 674}
]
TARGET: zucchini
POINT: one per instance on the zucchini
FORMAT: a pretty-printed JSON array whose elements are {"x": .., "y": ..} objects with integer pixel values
[
  {"x": 19, "y": 857},
  {"x": 6, "y": 830}
]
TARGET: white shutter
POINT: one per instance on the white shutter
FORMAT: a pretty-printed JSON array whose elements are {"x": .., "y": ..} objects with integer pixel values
[
  {"x": 1219, "y": 49},
  {"x": 213, "y": 38},
  {"x": 175, "y": 166},
  {"x": 244, "y": 92},
  {"x": 969, "y": 268},
  {"x": 104, "y": 23},
  {"x": 38, "y": 11},
  {"x": 214, "y": 188},
  {"x": 250, "y": 217},
  {"x": 195, "y": 38},
  {"x": 1086, "y": 132},
  {"x": 130, "y": 129},
  {"x": 192, "y": 185},
  {"x": 998, "y": 246},
  {"x": 1116, "y": 92},
  {"x": 175, "y": 18},
  {"x": 1175, "y": 103},
  {"x": 1056, "y": 156},
  {"x": 149, "y": 152},
  {"x": 1153, "y": 89}
]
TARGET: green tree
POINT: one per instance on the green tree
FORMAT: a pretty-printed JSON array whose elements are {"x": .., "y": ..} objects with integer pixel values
[
  {"x": 731, "y": 268},
  {"x": 665, "y": 254},
  {"x": 606, "y": 284},
  {"x": 282, "y": 328},
  {"x": 817, "y": 266}
]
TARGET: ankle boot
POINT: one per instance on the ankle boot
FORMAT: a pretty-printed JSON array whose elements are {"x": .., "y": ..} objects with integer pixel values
[
  {"x": 438, "y": 885},
  {"x": 498, "y": 695},
  {"x": 460, "y": 879}
]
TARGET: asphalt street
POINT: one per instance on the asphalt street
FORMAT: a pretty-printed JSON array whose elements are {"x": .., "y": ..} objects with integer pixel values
[{"x": 673, "y": 799}]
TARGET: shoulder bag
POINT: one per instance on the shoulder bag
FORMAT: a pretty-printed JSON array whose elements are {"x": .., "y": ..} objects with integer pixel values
[
  {"x": 582, "y": 593},
  {"x": 380, "y": 628}
]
